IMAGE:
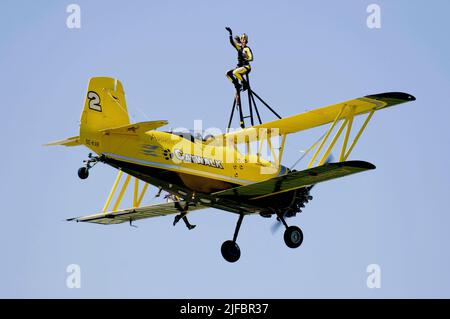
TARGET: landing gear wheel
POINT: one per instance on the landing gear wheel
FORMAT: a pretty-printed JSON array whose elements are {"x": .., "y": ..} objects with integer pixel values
[
  {"x": 293, "y": 237},
  {"x": 83, "y": 172},
  {"x": 230, "y": 251}
]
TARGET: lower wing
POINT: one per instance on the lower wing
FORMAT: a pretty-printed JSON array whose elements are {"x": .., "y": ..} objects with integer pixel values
[
  {"x": 233, "y": 199},
  {"x": 132, "y": 214},
  {"x": 295, "y": 180}
]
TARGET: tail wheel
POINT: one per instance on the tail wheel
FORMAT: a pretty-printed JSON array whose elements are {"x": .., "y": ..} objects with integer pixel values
[
  {"x": 230, "y": 251},
  {"x": 83, "y": 172},
  {"x": 293, "y": 237}
]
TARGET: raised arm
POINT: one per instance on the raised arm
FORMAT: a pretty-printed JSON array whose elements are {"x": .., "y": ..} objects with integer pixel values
[{"x": 233, "y": 43}]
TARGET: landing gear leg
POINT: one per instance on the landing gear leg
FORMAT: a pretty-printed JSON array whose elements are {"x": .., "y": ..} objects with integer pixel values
[
  {"x": 293, "y": 235},
  {"x": 230, "y": 249}
]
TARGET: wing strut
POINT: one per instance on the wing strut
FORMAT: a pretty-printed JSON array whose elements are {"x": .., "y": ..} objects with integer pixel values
[
  {"x": 347, "y": 122},
  {"x": 137, "y": 196}
]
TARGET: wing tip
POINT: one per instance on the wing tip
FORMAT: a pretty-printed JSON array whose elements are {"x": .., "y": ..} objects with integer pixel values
[
  {"x": 400, "y": 97},
  {"x": 359, "y": 164}
]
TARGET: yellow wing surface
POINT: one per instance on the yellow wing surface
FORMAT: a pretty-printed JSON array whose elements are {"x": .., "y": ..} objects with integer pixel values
[
  {"x": 132, "y": 214},
  {"x": 325, "y": 115}
]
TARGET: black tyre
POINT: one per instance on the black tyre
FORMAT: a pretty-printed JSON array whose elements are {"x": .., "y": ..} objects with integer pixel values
[
  {"x": 83, "y": 172},
  {"x": 293, "y": 237},
  {"x": 230, "y": 251}
]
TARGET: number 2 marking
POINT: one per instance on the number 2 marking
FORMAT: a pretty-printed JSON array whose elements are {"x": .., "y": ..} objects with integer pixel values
[{"x": 94, "y": 101}]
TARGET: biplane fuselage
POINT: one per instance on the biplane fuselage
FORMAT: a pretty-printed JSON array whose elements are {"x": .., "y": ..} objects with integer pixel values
[
  {"x": 183, "y": 165},
  {"x": 193, "y": 163}
]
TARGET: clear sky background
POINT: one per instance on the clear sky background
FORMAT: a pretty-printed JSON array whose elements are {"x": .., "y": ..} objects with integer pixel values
[{"x": 172, "y": 57}]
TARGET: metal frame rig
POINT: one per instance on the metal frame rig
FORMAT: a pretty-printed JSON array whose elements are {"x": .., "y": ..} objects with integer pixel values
[{"x": 237, "y": 104}]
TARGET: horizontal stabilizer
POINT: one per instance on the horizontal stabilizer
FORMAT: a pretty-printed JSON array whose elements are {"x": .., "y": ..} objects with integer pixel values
[
  {"x": 132, "y": 214},
  {"x": 134, "y": 129},
  {"x": 71, "y": 141},
  {"x": 295, "y": 180}
]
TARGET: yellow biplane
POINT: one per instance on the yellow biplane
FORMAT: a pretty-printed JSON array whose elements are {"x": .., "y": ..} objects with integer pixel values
[{"x": 227, "y": 171}]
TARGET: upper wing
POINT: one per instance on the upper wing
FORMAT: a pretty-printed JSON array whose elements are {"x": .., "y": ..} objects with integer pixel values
[
  {"x": 322, "y": 115},
  {"x": 131, "y": 214},
  {"x": 295, "y": 180}
]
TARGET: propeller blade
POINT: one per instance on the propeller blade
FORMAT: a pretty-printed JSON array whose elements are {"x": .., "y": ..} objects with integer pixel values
[
  {"x": 275, "y": 227},
  {"x": 307, "y": 151}
]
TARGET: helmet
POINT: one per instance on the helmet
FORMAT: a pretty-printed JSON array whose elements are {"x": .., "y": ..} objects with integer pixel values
[{"x": 244, "y": 36}]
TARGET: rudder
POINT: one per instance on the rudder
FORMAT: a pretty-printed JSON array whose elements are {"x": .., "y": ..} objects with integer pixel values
[{"x": 104, "y": 107}]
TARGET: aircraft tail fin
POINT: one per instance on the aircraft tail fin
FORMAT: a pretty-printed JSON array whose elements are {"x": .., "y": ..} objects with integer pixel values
[{"x": 104, "y": 107}]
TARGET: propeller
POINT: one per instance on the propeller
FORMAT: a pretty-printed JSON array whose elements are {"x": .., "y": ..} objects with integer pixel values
[
  {"x": 307, "y": 151},
  {"x": 276, "y": 225}
]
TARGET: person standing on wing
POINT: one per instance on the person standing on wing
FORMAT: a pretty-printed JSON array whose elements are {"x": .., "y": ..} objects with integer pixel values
[{"x": 245, "y": 56}]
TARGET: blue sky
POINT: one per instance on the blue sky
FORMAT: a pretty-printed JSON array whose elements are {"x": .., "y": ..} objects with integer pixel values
[{"x": 172, "y": 57}]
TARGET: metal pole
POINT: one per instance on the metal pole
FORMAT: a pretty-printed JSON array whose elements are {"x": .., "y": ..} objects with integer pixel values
[
  {"x": 256, "y": 108},
  {"x": 267, "y": 105},
  {"x": 241, "y": 116},
  {"x": 249, "y": 100},
  {"x": 232, "y": 113}
]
